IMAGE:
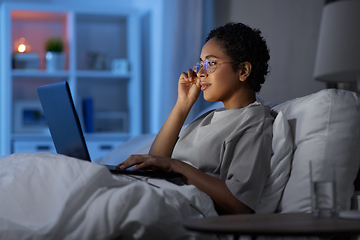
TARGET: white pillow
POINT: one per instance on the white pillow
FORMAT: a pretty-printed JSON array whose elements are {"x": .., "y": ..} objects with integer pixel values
[
  {"x": 325, "y": 126},
  {"x": 282, "y": 145}
]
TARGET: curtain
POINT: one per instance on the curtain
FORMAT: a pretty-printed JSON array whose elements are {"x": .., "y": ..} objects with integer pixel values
[{"x": 185, "y": 26}]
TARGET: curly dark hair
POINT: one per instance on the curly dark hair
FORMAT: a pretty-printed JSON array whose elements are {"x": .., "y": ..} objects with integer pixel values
[{"x": 244, "y": 44}]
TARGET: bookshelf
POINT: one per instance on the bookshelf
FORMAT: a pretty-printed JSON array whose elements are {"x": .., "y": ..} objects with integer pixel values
[{"x": 94, "y": 38}]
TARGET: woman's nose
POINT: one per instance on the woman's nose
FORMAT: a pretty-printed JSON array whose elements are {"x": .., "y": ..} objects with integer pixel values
[{"x": 202, "y": 73}]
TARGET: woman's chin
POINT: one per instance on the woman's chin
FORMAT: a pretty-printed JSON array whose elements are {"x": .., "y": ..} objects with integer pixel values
[{"x": 209, "y": 98}]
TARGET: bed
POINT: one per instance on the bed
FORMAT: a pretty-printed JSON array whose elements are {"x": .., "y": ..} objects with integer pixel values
[{"x": 51, "y": 196}]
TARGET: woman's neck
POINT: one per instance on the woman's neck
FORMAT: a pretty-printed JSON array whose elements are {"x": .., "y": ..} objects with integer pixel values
[{"x": 242, "y": 99}]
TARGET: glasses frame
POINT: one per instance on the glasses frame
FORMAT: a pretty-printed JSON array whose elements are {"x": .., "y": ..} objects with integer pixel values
[{"x": 209, "y": 65}]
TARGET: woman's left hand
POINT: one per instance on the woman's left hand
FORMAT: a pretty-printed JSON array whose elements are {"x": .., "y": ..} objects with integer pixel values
[{"x": 148, "y": 161}]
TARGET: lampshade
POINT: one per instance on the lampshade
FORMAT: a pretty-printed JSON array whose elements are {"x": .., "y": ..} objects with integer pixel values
[{"x": 338, "y": 52}]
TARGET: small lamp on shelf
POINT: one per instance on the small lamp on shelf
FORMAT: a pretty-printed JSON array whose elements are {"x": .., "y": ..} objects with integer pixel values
[
  {"x": 21, "y": 46},
  {"x": 55, "y": 58},
  {"x": 338, "y": 53}
]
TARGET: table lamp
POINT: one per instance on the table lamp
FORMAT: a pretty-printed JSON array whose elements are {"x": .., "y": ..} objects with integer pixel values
[{"x": 338, "y": 52}]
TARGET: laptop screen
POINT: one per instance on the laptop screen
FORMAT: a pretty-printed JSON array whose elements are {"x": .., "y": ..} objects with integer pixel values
[{"x": 62, "y": 119}]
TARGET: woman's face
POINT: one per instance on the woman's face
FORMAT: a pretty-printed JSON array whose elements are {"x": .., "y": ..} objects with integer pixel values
[{"x": 223, "y": 84}]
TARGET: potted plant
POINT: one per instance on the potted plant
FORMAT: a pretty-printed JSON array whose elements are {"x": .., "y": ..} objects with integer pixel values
[{"x": 55, "y": 58}]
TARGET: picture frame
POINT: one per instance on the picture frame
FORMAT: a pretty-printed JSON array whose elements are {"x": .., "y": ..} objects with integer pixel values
[
  {"x": 120, "y": 66},
  {"x": 29, "y": 117}
]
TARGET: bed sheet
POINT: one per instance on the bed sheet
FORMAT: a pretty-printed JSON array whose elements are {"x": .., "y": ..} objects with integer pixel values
[{"x": 51, "y": 196}]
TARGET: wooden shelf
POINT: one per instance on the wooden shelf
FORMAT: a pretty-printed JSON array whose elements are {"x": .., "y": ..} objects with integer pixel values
[
  {"x": 100, "y": 74},
  {"x": 39, "y": 73}
]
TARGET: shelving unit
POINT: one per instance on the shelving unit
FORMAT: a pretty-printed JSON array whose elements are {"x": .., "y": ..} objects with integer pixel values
[{"x": 93, "y": 36}]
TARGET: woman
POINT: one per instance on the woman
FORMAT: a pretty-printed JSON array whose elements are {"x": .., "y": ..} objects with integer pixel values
[{"x": 229, "y": 149}]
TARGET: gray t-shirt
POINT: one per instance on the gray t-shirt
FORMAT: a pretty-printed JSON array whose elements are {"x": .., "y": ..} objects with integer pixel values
[{"x": 233, "y": 145}]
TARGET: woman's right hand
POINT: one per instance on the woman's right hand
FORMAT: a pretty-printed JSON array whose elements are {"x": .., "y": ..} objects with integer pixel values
[
  {"x": 189, "y": 86},
  {"x": 188, "y": 92}
]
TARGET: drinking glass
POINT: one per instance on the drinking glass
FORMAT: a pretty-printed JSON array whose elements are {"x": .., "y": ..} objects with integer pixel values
[{"x": 323, "y": 188}]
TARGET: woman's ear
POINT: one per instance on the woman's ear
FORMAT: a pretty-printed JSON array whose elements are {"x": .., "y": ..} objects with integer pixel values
[{"x": 245, "y": 70}]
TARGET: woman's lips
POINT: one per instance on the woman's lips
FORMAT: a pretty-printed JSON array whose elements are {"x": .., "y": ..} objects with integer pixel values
[{"x": 204, "y": 85}]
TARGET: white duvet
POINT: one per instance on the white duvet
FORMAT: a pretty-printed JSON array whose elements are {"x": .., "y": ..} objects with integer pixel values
[{"x": 50, "y": 196}]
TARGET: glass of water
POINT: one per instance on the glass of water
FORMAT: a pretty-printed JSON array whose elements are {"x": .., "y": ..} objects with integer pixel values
[{"x": 323, "y": 188}]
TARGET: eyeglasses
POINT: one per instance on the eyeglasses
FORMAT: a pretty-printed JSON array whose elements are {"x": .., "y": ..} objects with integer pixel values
[{"x": 208, "y": 65}]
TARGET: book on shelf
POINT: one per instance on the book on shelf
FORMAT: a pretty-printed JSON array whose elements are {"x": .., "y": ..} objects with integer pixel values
[
  {"x": 26, "y": 61},
  {"x": 88, "y": 115}
]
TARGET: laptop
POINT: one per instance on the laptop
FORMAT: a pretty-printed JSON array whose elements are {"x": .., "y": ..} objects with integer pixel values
[{"x": 65, "y": 128}]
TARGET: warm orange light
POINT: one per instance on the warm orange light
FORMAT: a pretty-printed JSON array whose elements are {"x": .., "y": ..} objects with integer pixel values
[{"x": 22, "y": 48}]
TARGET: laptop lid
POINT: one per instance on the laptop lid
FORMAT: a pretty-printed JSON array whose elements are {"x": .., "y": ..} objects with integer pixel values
[{"x": 62, "y": 119}]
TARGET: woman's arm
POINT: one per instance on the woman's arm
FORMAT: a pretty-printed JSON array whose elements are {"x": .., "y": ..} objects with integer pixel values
[
  {"x": 216, "y": 189},
  {"x": 188, "y": 92},
  {"x": 165, "y": 140}
]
